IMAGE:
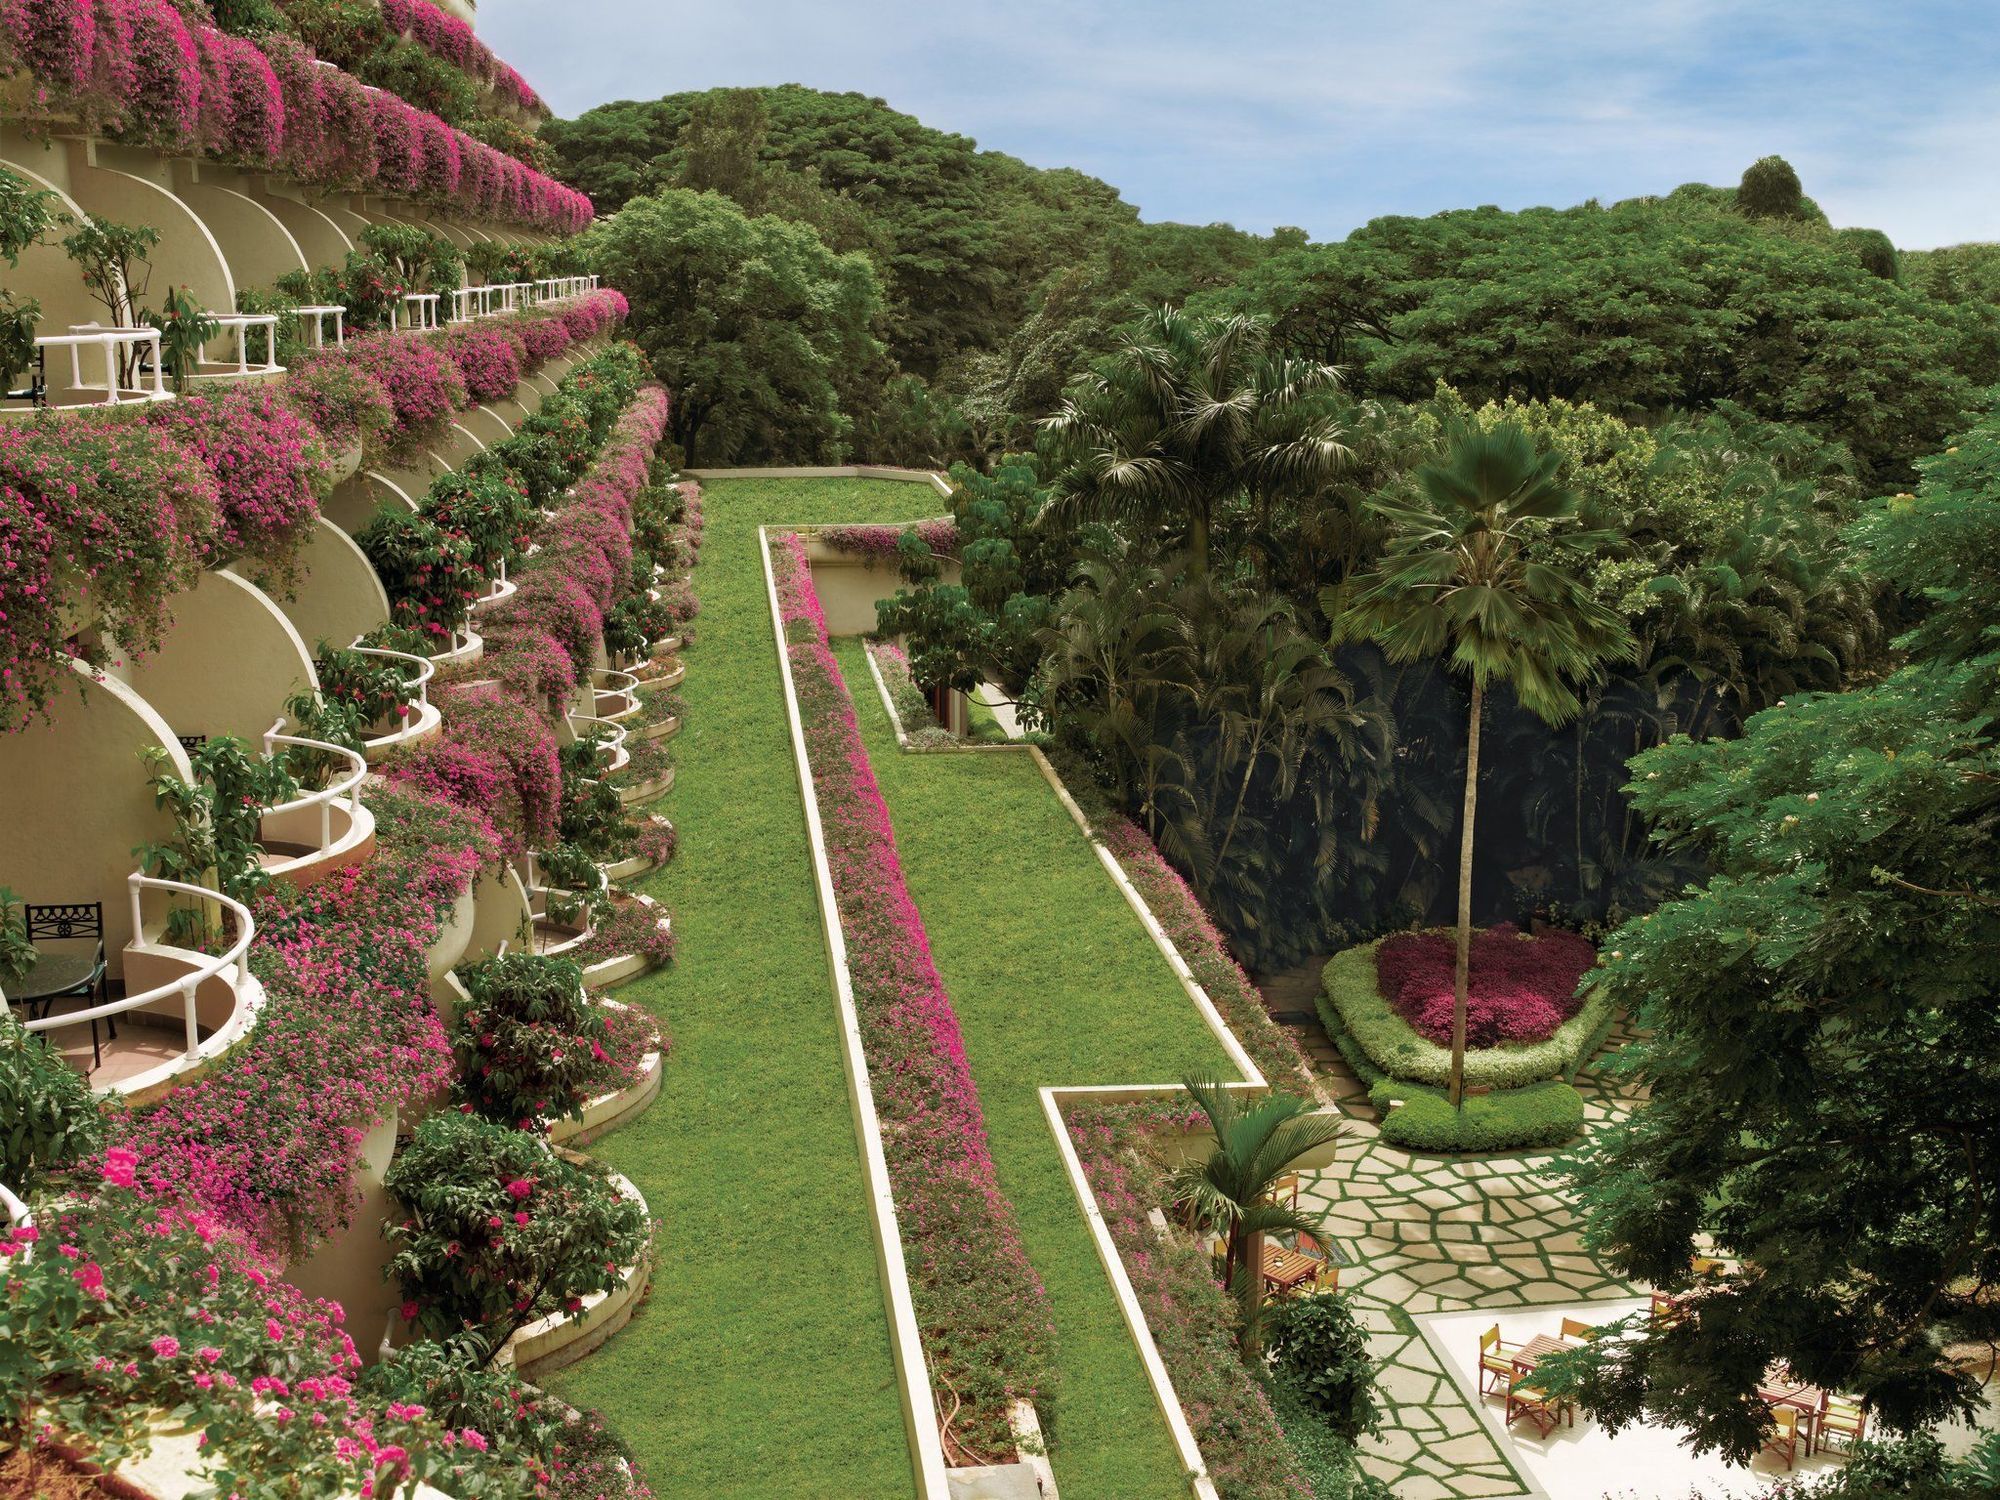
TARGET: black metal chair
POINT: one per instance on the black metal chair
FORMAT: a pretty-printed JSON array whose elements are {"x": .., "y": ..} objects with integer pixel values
[{"x": 66, "y": 923}]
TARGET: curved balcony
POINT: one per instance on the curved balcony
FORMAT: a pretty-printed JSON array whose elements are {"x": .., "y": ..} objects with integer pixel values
[
  {"x": 562, "y": 922},
  {"x": 466, "y": 648},
  {"x": 470, "y": 302},
  {"x": 422, "y": 722},
  {"x": 126, "y": 352},
  {"x": 181, "y": 1008},
  {"x": 243, "y": 370},
  {"x": 612, "y": 756},
  {"x": 312, "y": 324},
  {"x": 566, "y": 288},
  {"x": 502, "y": 588},
  {"x": 305, "y": 840},
  {"x": 616, "y": 694}
]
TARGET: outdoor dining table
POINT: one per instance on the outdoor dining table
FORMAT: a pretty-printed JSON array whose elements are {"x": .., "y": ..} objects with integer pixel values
[
  {"x": 1806, "y": 1400},
  {"x": 53, "y": 976},
  {"x": 1287, "y": 1269},
  {"x": 1531, "y": 1353}
]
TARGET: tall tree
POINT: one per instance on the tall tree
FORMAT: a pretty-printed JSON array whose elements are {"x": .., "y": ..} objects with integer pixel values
[
  {"x": 752, "y": 322},
  {"x": 1473, "y": 569},
  {"x": 1233, "y": 1191},
  {"x": 1187, "y": 415}
]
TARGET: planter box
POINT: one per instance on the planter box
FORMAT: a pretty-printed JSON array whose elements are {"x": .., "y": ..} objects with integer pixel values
[
  {"x": 607, "y": 1112},
  {"x": 628, "y": 869},
  {"x": 551, "y": 1343},
  {"x": 645, "y": 791},
  {"x": 666, "y": 729}
]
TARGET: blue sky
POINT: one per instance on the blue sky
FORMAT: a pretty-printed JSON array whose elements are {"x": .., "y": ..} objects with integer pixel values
[{"x": 1328, "y": 114}]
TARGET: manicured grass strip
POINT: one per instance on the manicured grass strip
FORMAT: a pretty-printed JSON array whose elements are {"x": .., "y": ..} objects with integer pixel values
[
  {"x": 1055, "y": 982},
  {"x": 760, "y": 1363}
]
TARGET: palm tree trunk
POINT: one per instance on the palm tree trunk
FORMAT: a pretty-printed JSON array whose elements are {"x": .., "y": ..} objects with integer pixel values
[
  {"x": 1198, "y": 541},
  {"x": 1251, "y": 1341},
  {"x": 1461, "y": 979}
]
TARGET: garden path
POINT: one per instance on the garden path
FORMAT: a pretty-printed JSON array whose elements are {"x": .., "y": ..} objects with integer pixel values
[{"x": 1433, "y": 1234}]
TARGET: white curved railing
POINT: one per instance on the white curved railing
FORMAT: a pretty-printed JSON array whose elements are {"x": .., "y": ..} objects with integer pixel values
[
  {"x": 312, "y": 324},
  {"x": 614, "y": 736},
  {"x": 18, "y": 1217},
  {"x": 188, "y": 984},
  {"x": 492, "y": 299},
  {"x": 419, "y": 672},
  {"x": 420, "y": 312},
  {"x": 562, "y": 288},
  {"x": 82, "y": 336},
  {"x": 240, "y": 324},
  {"x": 347, "y": 788},
  {"x": 624, "y": 684}
]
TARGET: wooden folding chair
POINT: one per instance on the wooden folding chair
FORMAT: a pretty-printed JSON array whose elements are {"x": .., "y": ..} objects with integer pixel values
[
  {"x": 1783, "y": 1437},
  {"x": 1495, "y": 1363},
  {"x": 1575, "y": 1330},
  {"x": 1538, "y": 1406},
  {"x": 1840, "y": 1417}
]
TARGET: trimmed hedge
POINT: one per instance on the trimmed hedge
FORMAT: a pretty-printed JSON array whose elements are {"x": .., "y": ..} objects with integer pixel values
[
  {"x": 1351, "y": 1002},
  {"x": 1541, "y": 1114}
]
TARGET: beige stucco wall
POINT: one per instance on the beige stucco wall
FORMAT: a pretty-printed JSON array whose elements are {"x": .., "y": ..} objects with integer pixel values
[
  {"x": 259, "y": 246},
  {"x": 338, "y": 596},
  {"x": 322, "y": 241},
  {"x": 45, "y": 273},
  {"x": 348, "y": 1267},
  {"x": 74, "y": 802},
  {"x": 131, "y": 187},
  {"x": 848, "y": 587},
  {"x": 227, "y": 664}
]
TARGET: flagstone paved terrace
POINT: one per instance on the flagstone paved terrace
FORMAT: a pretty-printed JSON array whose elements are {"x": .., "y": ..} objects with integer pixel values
[{"x": 1431, "y": 1234}]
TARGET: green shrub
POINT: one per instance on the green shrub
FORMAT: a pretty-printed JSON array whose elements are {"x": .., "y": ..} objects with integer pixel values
[
  {"x": 530, "y": 1046},
  {"x": 1326, "y": 1458},
  {"x": 1541, "y": 1114},
  {"x": 1322, "y": 1355},
  {"x": 1351, "y": 1001},
  {"x": 51, "y": 1120},
  {"x": 501, "y": 1230}
]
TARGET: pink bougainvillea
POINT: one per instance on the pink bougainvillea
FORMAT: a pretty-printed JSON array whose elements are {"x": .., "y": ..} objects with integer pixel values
[
  {"x": 1522, "y": 988},
  {"x": 242, "y": 107},
  {"x": 489, "y": 357},
  {"x": 268, "y": 462},
  {"x": 422, "y": 384},
  {"x": 983, "y": 1312},
  {"x": 54, "y": 40}
]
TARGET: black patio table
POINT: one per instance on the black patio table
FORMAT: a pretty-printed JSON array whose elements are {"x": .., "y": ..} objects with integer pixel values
[{"x": 53, "y": 976}]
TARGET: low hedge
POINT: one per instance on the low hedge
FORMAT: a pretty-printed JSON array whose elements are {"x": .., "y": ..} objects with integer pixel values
[
  {"x": 1541, "y": 1114},
  {"x": 1351, "y": 1001},
  {"x": 1544, "y": 1113}
]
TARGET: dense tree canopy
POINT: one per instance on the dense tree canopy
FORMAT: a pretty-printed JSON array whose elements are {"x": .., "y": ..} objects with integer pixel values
[
  {"x": 1645, "y": 307},
  {"x": 754, "y": 323},
  {"x": 1820, "y": 1018}
]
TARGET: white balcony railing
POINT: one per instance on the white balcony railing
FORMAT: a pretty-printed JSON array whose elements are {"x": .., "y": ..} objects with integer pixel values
[
  {"x": 18, "y": 1217},
  {"x": 610, "y": 744},
  {"x": 417, "y": 673},
  {"x": 419, "y": 312},
  {"x": 114, "y": 342},
  {"x": 563, "y": 288},
  {"x": 344, "y": 792},
  {"x": 241, "y": 325},
  {"x": 188, "y": 985},
  {"x": 622, "y": 691},
  {"x": 488, "y": 301},
  {"x": 312, "y": 324}
]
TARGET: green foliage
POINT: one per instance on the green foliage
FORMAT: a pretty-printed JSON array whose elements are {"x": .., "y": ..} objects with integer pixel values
[
  {"x": 1818, "y": 1023},
  {"x": 185, "y": 329},
  {"x": 501, "y": 1230},
  {"x": 753, "y": 323},
  {"x": 1770, "y": 189},
  {"x": 17, "y": 954},
  {"x": 1233, "y": 1191},
  {"x": 419, "y": 260},
  {"x": 1873, "y": 249},
  {"x": 217, "y": 818},
  {"x": 1327, "y": 1460},
  {"x": 1351, "y": 1003},
  {"x": 51, "y": 1118},
  {"x": 1320, "y": 1351},
  {"x": 488, "y": 505},
  {"x": 1533, "y": 1117},
  {"x": 428, "y": 572},
  {"x": 1626, "y": 307},
  {"x": 529, "y": 1044}
]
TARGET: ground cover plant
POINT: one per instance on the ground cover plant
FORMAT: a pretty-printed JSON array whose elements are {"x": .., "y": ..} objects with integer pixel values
[
  {"x": 750, "y": 1008},
  {"x": 1067, "y": 938},
  {"x": 1522, "y": 987},
  {"x": 985, "y": 1323}
]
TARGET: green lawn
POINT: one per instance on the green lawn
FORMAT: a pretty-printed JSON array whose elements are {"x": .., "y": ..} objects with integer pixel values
[
  {"x": 1055, "y": 982},
  {"x": 760, "y": 1363}
]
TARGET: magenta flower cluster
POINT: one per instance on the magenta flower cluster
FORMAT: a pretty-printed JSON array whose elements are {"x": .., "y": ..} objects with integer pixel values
[
  {"x": 139, "y": 70},
  {"x": 1521, "y": 988},
  {"x": 880, "y": 543},
  {"x": 983, "y": 1312},
  {"x": 267, "y": 1142},
  {"x": 489, "y": 356},
  {"x": 269, "y": 465},
  {"x": 451, "y": 40}
]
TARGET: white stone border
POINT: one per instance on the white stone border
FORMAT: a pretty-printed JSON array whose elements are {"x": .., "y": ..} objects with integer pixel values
[
  {"x": 920, "y": 1414},
  {"x": 930, "y": 477},
  {"x": 607, "y": 1112},
  {"x": 559, "y": 1339},
  {"x": 1054, "y": 1098}
]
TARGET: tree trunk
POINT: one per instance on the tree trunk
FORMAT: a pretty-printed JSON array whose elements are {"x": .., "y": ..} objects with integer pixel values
[
  {"x": 1462, "y": 971},
  {"x": 1198, "y": 542},
  {"x": 1251, "y": 1342}
]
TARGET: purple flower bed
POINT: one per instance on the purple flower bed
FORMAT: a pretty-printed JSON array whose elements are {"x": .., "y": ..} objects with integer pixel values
[
  {"x": 1521, "y": 989},
  {"x": 879, "y": 543},
  {"x": 983, "y": 1313}
]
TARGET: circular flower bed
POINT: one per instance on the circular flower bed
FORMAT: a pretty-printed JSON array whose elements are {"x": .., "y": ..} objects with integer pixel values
[{"x": 1521, "y": 987}]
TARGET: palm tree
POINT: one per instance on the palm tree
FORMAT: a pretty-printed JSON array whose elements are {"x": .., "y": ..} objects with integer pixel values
[
  {"x": 1233, "y": 1191},
  {"x": 1186, "y": 415},
  {"x": 1476, "y": 568}
]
